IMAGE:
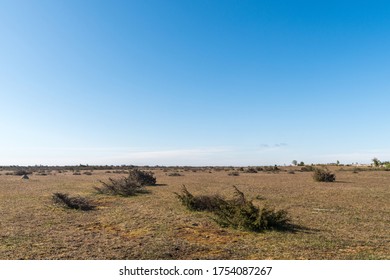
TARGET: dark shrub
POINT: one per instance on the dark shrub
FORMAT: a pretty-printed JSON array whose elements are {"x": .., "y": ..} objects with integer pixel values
[
  {"x": 78, "y": 202},
  {"x": 173, "y": 174},
  {"x": 125, "y": 186},
  {"x": 76, "y": 173},
  {"x": 201, "y": 202},
  {"x": 142, "y": 177},
  {"x": 120, "y": 172},
  {"x": 88, "y": 173},
  {"x": 234, "y": 173},
  {"x": 323, "y": 175},
  {"x": 241, "y": 213},
  {"x": 238, "y": 213},
  {"x": 307, "y": 168},
  {"x": 21, "y": 172},
  {"x": 271, "y": 168}
]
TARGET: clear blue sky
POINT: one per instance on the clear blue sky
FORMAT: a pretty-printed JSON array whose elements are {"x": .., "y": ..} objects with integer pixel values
[{"x": 194, "y": 82}]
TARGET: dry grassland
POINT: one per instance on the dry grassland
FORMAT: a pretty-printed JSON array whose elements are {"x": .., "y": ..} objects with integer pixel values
[{"x": 347, "y": 219}]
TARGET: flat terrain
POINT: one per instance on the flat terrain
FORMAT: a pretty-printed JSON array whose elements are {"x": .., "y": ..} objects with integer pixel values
[{"x": 346, "y": 219}]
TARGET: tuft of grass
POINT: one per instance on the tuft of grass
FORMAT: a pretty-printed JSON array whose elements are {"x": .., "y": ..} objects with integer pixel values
[
  {"x": 323, "y": 175},
  {"x": 125, "y": 186},
  {"x": 77, "y": 202},
  {"x": 238, "y": 213}
]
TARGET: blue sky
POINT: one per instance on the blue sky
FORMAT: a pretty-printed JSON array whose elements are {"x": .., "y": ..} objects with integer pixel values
[{"x": 194, "y": 82}]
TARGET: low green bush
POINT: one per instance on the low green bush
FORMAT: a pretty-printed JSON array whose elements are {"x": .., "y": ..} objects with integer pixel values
[
  {"x": 200, "y": 202},
  {"x": 238, "y": 212}
]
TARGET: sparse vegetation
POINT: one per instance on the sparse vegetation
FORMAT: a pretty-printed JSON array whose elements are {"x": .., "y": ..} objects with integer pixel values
[
  {"x": 158, "y": 226},
  {"x": 76, "y": 202},
  {"x": 323, "y": 175}
]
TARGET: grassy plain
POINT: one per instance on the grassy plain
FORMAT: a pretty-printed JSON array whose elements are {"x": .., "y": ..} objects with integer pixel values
[{"x": 346, "y": 219}]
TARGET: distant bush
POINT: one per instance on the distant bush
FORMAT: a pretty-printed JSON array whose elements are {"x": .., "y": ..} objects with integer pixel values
[
  {"x": 21, "y": 172},
  {"x": 271, "y": 168},
  {"x": 175, "y": 174},
  {"x": 307, "y": 168},
  {"x": 238, "y": 213},
  {"x": 250, "y": 170},
  {"x": 291, "y": 172},
  {"x": 88, "y": 173},
  {"x": 125, "y": 186},
  {"x": 323, "y": 175},
  {"x": 142, "y": 177},
  {"x": 120, "y": 172},
  {"x": 78, "y": 202},
  {"x": 76, "y": 173},
  {"x": 234, "y": 173}
]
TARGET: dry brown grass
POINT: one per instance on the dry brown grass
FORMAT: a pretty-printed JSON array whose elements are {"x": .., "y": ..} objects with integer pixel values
[{"x": 348, "y": 219}]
